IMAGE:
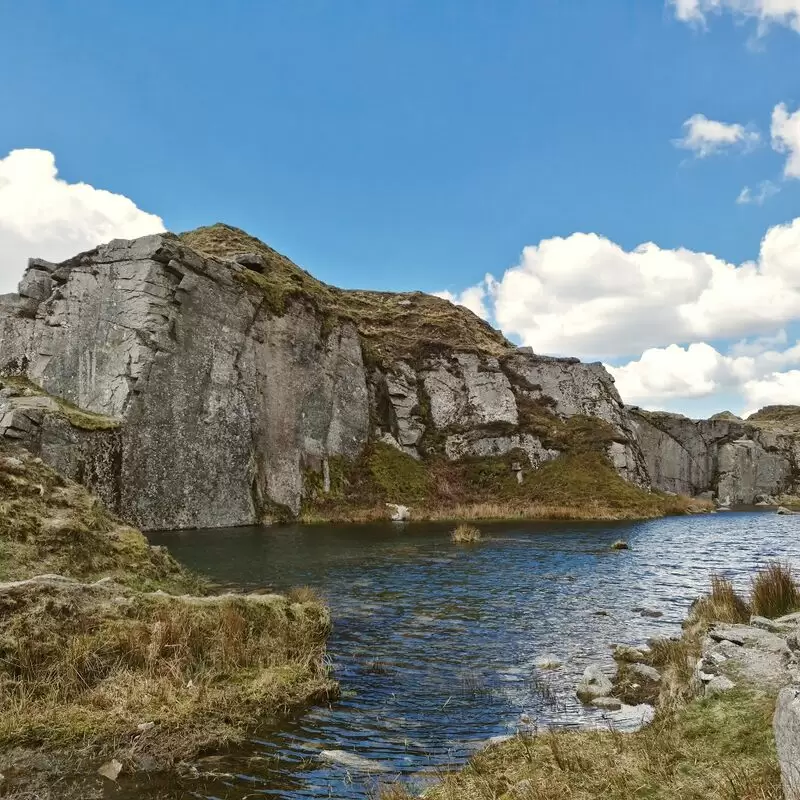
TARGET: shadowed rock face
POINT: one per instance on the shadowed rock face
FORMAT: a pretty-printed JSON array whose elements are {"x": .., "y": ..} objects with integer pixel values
[
  {"x": 735, "y": 460},
  {"x": 196, "y": 390}
]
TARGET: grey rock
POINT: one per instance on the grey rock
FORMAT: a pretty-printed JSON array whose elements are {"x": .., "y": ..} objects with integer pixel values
[
  {"x": 646, "y": 672},
  {"x": 606, "y": 703},
  {"x": 786, "y": 725},
  {"x": 594, "y": 683},
  {"x": 398, "y": 513},
  {"x": 786, "y": 511},
  {"x": 719, "y": 684},
  {"x": 628, "y": 654}
]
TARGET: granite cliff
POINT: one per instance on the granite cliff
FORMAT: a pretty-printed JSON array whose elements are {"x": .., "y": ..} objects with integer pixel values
[
  {"x": 736, "y": 461},
  {"x": 205, "y": 380}
]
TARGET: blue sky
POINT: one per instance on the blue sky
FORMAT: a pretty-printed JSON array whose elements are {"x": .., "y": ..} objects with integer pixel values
[{"x": 406, "y": 145}]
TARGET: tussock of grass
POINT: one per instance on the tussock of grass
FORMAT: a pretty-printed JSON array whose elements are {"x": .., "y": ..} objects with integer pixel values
[
  {"x": 620, "y": 544},
  {"x": 303, "y": 594},
  {"x": 465, "y": 534},
  {"x": 722, "y": 604},
  {"x": 717, "y": 749},
  {"x": 774, "y": 591}
]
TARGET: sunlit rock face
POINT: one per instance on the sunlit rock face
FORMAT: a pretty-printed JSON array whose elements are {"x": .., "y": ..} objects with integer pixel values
[{"x": 206, "y": 388}]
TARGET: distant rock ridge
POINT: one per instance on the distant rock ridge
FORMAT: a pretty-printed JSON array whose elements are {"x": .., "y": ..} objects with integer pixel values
[{"x": 204, "y": 380}]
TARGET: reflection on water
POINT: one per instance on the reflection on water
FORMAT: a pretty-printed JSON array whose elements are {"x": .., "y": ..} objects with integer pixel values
[{"x": 435, "y": 645}]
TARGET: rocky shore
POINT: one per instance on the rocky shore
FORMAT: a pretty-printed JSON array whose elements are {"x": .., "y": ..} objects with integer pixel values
[{"x": 724, "y": 721}]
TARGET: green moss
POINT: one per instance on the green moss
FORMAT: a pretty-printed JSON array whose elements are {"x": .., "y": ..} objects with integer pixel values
[
  {"x": 77, "y": 417},
  {"x": 398, "y": 477}
]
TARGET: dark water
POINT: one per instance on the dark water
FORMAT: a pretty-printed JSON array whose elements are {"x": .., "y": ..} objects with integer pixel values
[{"x": 435, "y": 645}]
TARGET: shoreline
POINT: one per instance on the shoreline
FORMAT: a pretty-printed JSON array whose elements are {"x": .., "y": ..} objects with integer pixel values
[
  {"x": 725, "y": 724},
  {"x": 115, "y": 659}
]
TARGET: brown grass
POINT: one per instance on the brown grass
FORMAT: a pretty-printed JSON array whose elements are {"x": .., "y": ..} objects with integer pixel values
[
  {"x": 774, "y": 591},
  {"x": 465, "y": 534},
  {"x": 721, "y": 604},
  {"x": 719, "y": 749}
]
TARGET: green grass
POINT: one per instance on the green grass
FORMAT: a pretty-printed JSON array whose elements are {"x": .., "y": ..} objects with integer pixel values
[{"x": 717, "y": 749}]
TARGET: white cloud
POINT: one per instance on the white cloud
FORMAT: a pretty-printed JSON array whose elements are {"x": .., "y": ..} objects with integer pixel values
[
  {"x": 585, "y": 295},
  {"x": 785, "y": 132},
  {"x": 766, "y": 12},
  {"x": 779, "y": 388},
  {"x": 765, "y": 190},
  {"x": 473, "y": 298},
  {"x": 44, "y": 216},
  {"x": 706, "y": 137},
  {"x": 699, "y": 370}
]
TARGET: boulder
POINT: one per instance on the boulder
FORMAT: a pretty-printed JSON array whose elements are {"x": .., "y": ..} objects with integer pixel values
[
  {"x": 398, "y": 513},
  {"x": 786, "y": 725},
  {"x": 718, "y": 685},
  {"x": 628, "y": 654},
  {"x": 786, "y": 511},
  {"x": 594, "y": 683},
  {"x": 646, "y": 672}
]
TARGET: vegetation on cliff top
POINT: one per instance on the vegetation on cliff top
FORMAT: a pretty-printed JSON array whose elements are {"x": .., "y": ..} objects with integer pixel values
[
  {"x": 392, "y": 324},
  {"x": 91, "y": 667}
]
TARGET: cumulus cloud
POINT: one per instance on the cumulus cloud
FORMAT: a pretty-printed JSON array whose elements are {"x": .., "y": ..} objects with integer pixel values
[
  {"x": 785, "y": 131},
  {"x": 752, "y": 369},
  {"x": 707, "y": 137},
  {"x": 473, "y": 298},
  {"x": 42, "y": 215},
  {"x": 779, "y": 388},
  {"x": 759, "y": 196},
  {"x": 766, "y": 12},
  {"x": 585, "y": 295}
]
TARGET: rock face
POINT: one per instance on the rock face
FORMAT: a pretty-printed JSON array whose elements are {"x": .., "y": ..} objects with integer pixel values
[
  {"x": 786, "y": 725},
  {"x": 223, "y": 403},
  {"x": 735, "y": 460},
  {"x": 182, "y": 391},
  {"x": 202, "y": 380}
]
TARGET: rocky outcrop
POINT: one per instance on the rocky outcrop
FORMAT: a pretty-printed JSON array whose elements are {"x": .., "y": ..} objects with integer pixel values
[
  {"x": 735, "y": 460},
  {"x": 193, "y": 389},
  {"x": 787, "y": 739}
]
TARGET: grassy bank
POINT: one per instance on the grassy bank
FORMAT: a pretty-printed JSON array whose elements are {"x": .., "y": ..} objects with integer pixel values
[
  {"x": 109, "y": 649},
  {"x": 697, "y": 748},
  {"x": 574, "y": 486},
  {"x": 715, "y": 749}
]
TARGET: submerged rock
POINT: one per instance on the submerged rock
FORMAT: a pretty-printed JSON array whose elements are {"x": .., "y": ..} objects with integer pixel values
[
  {"x": 353, "y": 761},
  {"x": 606, "y": 703}
]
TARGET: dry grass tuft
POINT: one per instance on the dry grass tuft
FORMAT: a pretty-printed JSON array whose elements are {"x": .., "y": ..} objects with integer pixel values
[
  {"x": 775, "y": 591},
  {"x": 465, "y": 534},
  {"x": 620, "y": 544},
  {"x": 303, "y": 594},
  {"x": 722, "y": 604}
]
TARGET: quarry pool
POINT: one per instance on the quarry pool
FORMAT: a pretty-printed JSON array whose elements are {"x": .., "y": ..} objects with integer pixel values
[{"x": 436, "y": 645}]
